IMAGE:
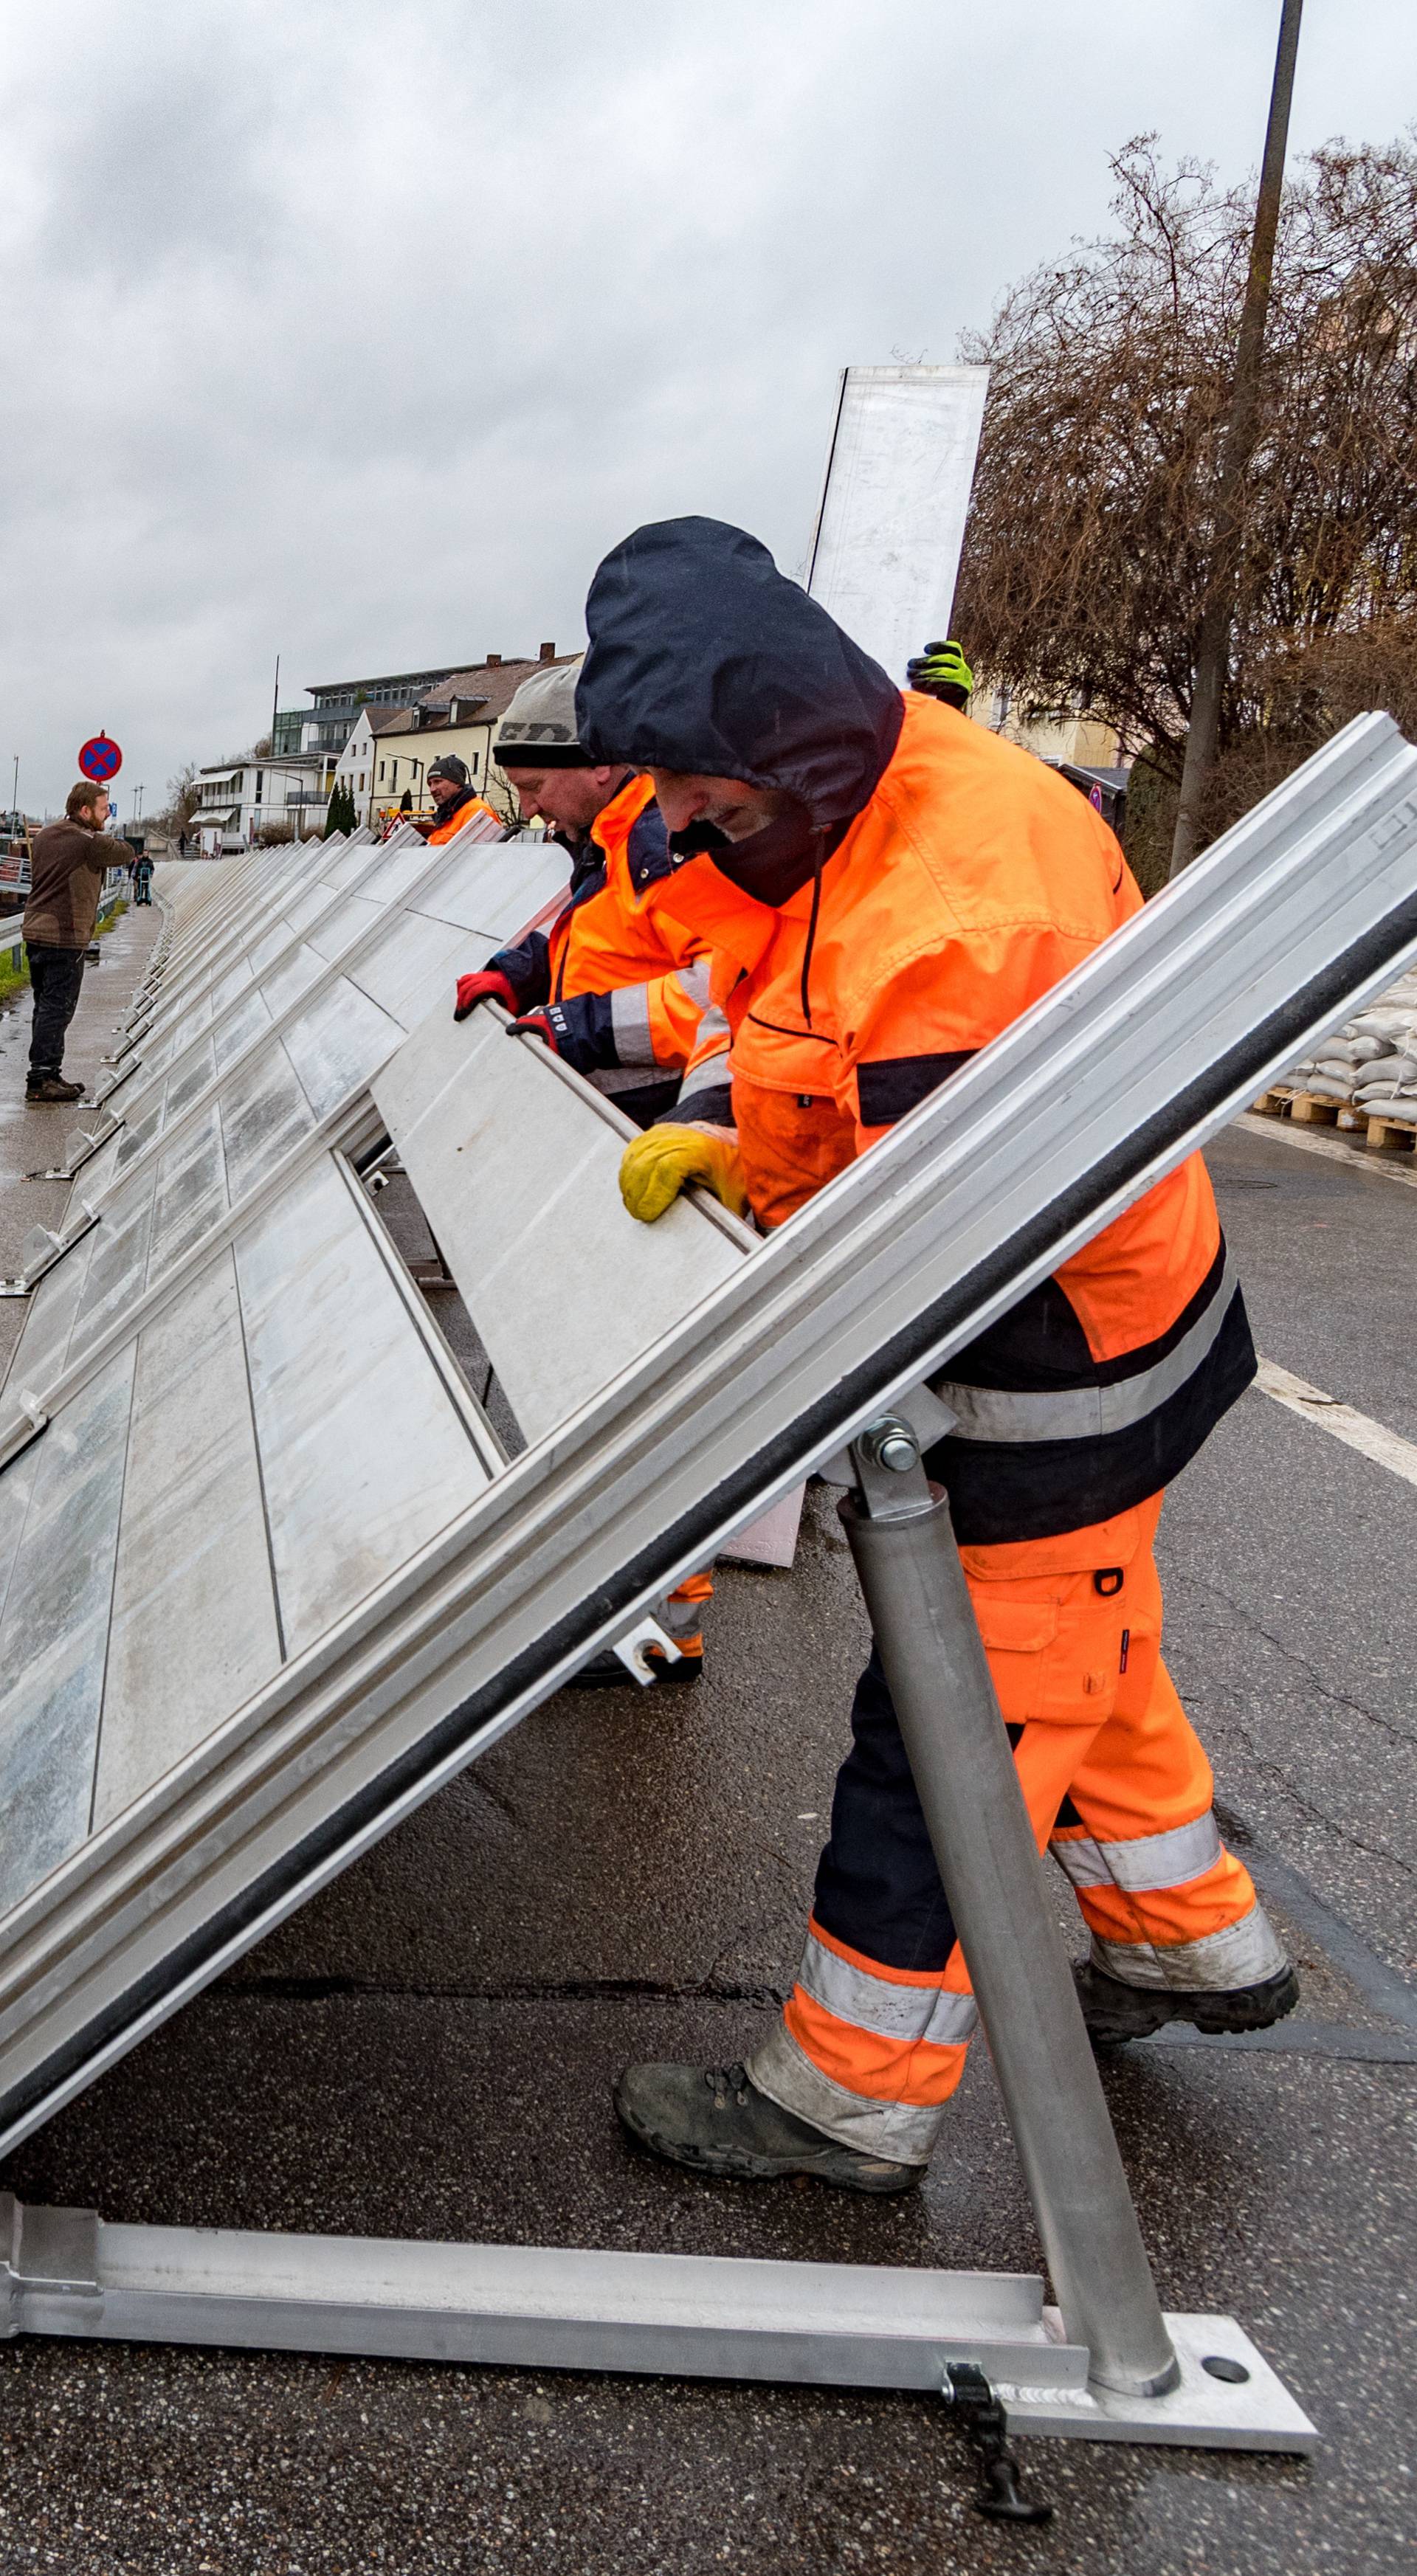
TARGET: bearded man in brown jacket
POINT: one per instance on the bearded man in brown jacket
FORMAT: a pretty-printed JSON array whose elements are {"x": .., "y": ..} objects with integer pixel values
[{"x": 66, "y": 878}]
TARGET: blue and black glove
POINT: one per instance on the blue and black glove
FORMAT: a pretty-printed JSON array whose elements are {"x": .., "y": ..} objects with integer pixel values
[{"x": 580, "y": 1031}]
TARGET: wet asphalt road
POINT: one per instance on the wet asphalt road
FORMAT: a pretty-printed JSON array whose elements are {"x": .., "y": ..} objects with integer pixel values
[{"x": 427, "y": 2051}]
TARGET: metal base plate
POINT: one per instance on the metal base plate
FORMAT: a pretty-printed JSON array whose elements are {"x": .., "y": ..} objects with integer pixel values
[
  {"x": 67, "y": 2272},
  {"x": 1255, "y": 2413}
]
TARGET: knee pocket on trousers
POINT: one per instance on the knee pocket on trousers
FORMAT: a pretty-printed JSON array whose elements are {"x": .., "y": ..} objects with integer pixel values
[
  {"x": 1058, "y": 1660},
  {"x": 1017, "y": 1637}
]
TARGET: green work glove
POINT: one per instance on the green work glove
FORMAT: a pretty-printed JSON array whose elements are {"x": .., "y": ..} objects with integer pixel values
[{"x": 941, "y": 671}]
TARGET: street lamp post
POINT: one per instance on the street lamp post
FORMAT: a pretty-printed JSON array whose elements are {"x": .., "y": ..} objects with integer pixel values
[{"x": 1241, "y": 433}]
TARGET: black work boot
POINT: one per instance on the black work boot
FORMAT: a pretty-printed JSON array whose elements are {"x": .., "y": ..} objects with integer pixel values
[
  {"x": 689, "y": 1666},
  {"x": 52, "y": 1086},
  {"x": 714, "y": 2120},
  {"x": 1115, "y": 2012}
]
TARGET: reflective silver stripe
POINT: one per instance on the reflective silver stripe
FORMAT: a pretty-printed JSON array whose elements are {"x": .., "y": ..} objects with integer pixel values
[
  {"x": 680, "y": 1618},
  {"x": 713, "y": 1031},
  {"x": 629, "y": 1019},
  {"x": 613, "y": 1078},
  {"x": 695, "y": 980},
  {"x": 1147, "y": 1861},
  {"x": 903, "y": 2132},
  {"x": 906, "y": 2013},
  {"x": 1086, "y": 1412},
  {"x": 1239, "y": 1954}
]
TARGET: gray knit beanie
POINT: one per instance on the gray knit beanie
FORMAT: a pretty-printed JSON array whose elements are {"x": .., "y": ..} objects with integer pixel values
[{"x": 538, "y": 730}]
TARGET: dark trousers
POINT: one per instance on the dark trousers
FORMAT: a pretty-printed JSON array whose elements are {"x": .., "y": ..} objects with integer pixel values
[
  {"x": 55, "y": 977},
  {"x": 878, "y": 1888}
]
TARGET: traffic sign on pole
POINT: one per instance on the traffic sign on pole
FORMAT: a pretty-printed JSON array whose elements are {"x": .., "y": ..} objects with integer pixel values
[{"x": 100, "y": 758}]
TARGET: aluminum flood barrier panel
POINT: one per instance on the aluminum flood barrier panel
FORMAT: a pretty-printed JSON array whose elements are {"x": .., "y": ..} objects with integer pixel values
[
  {"x": 387, "y": 1655},
  {"x": 900, "y": 463}
]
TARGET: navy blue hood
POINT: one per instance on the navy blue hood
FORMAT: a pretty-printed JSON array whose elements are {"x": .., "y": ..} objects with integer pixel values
[{"x": 704, "y": 658}]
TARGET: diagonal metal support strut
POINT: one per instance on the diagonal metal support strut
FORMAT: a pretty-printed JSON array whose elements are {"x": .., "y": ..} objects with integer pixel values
[{"x": 898, "y": 1525}]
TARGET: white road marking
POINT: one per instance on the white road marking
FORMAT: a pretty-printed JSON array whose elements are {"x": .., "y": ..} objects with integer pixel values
[
  {"x": 1341, "y": 1421},
  {"x": 1323, "y": 1140}
]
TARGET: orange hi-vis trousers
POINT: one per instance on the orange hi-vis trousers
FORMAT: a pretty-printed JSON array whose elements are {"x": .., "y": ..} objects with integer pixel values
[
  {"x": 681, "y": 1615},
  {"x": 872, "y": 2041}
]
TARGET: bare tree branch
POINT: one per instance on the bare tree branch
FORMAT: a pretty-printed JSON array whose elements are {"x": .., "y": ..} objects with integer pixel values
[{"x": 1084, "y": 565}]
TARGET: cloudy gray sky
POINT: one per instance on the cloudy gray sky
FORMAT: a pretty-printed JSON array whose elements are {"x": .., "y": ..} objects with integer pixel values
[{"x": 357, "y": 329}]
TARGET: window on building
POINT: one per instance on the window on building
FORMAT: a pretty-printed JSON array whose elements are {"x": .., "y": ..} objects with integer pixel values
[
  {"x": 381, "y": 773},
  {"x": 474, "y": 764}
]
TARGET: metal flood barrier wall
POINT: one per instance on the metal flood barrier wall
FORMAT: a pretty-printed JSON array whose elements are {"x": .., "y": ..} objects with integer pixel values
[
  {"x": 313, "y": 1585},
  {"x": 900, "y": 463},
  {"x": 229, "y": 1395}
]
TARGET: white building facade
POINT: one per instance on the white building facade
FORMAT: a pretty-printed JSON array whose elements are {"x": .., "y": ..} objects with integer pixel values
[{"x": 241, "y": 799}]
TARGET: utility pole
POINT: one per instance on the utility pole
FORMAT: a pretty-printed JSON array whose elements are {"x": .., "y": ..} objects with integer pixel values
[
  {"x": 15, "y": 793},
  {"x": 275, "y": 707},
  {"x": 1241, "y": 432}
]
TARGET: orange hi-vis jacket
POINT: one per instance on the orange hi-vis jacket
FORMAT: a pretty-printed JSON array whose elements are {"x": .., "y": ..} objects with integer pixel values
[
  {"x": 972, "y": 880},
  {"x": 462, "y": 814},
  {"x": 624, "y": 980}
]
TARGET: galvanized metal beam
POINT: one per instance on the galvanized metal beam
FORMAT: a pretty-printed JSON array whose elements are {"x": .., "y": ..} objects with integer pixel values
[{"x": 820, "y": 2325}]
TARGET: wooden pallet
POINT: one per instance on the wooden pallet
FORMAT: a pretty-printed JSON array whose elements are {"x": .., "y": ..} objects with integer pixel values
[
  {"x": 1392, "y": 1132},
  {"x": 1383, "y": 1134}
]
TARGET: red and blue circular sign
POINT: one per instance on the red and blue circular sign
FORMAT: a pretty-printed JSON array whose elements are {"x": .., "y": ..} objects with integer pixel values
[{"x": 100, "y": 758}]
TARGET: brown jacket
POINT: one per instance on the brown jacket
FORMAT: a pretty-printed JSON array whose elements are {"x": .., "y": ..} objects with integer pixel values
[{"x": 66, "y": 875}]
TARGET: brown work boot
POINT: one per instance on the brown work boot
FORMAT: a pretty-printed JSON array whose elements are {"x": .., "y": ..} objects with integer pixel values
[
  {"x": 1116, "y": 2012},
  {"x": 714, "y": 2120},
  {"x": 52, "y": 1086}
]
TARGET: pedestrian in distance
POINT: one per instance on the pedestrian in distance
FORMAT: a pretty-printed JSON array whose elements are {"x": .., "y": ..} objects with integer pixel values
[
  {"x": 67, "y": 871},
  {"x": 142, "y": 877},
  {"x": 887, "y": 886}
]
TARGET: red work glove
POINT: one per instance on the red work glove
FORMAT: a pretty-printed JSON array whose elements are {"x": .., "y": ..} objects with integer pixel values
[
  {"x": 537, "y": 1024},
  {"x": 479, "y": 988}
]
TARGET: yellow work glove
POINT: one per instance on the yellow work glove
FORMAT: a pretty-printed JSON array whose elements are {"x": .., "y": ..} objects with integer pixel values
[{"x": 665, "y": 1160}]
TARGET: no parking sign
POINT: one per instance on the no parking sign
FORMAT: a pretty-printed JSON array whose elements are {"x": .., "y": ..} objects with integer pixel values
[{"x": 100, "y": 759}]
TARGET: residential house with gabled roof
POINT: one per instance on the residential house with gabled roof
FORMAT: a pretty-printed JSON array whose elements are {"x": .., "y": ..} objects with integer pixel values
[
  {"x": 371, "y": 747},
  {"x": 389, "y": 751},
  {"x": 326, "y": 725}
]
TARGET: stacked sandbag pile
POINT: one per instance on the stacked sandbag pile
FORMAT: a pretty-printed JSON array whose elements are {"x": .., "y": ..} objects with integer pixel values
[{"x": 1370, "y": 1065}]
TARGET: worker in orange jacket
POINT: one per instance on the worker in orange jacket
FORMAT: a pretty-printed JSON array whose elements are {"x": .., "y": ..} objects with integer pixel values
[
  {"x": 455, "y": 801},
  {"x": 616, "y": 986},
  {"x": 885, "y": 887}
]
